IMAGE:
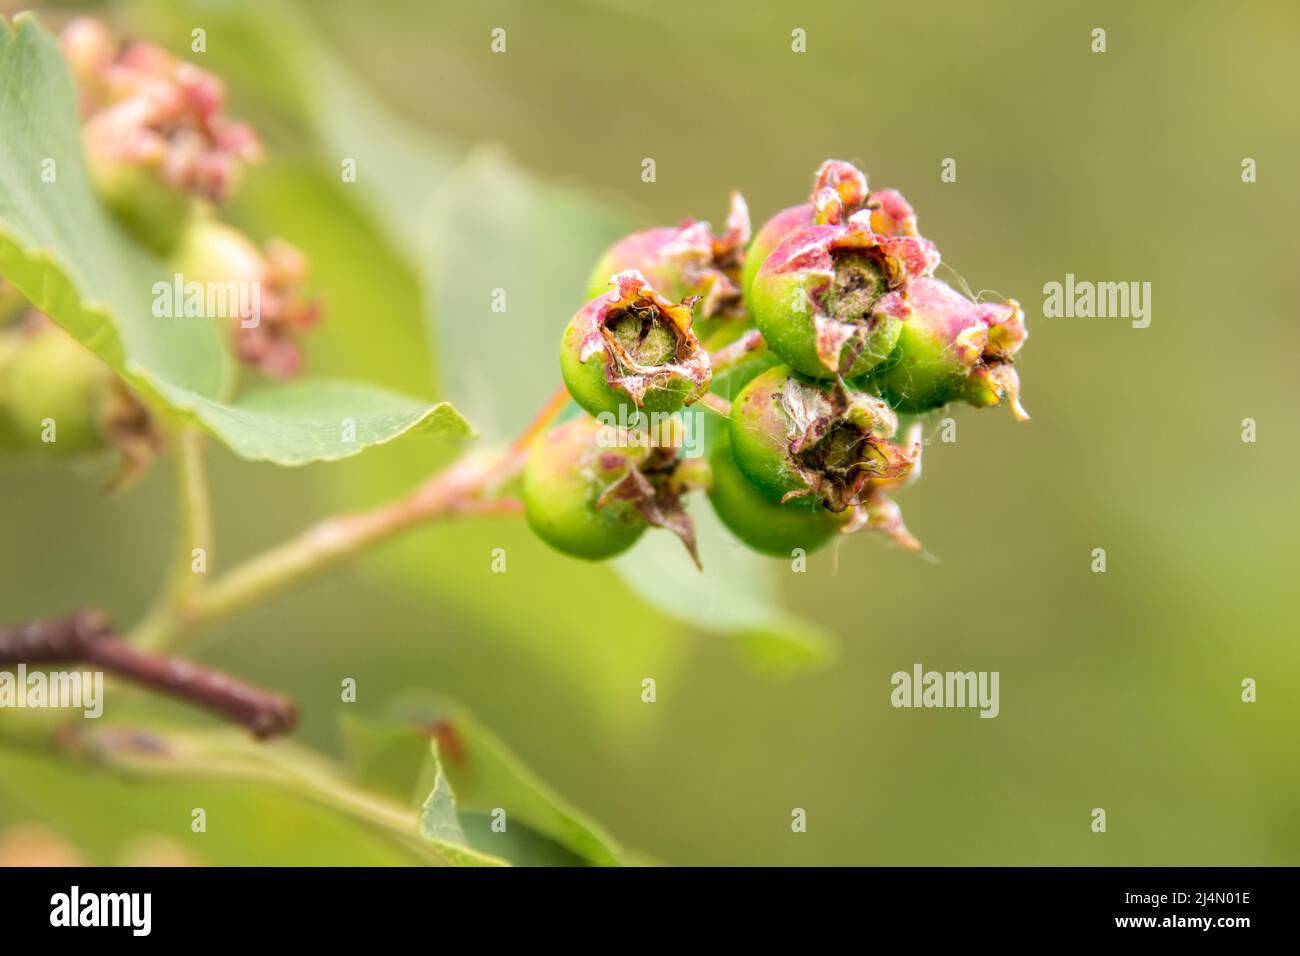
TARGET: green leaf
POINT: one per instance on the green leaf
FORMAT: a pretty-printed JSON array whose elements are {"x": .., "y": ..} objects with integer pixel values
[
  {"x": 467, "y": 775},
  {"x": 496, "y": 228},
  {"x": 61, "y": 249},
  {"x": 733, "y": 595},
  {"x": 486, "y": 775},
  {"x": 157, "y": 754},
  {"x": 115, "y": 819},
  {"x": 322, "y": 420}
]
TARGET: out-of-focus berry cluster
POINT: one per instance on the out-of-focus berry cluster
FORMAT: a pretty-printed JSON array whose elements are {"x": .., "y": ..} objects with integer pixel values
[{"x": 162, "y": 156}]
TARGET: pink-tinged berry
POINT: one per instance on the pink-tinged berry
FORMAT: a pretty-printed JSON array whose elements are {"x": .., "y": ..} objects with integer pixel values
[
  {"x": 155, "y": 131},
  {"x": 954, "y": 349},
  {"x": 687, "y": 260},
  {"x": 633, "y": 348},
  {"x": 797, "y": 438},
  {"x": 839, "y": 191},
  {"x": 831, "y": 299},
  {"x": 265, "y": 311}
]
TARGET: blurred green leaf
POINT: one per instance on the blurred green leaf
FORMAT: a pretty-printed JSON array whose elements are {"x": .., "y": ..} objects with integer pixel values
[
  {"x": 60, "y": 248},
  {"x": 248, "y": 820},
  {"x": 498, "y": 235},
  {"x": 469, "y": 776},
  {"x": 486, "y": 775},
  {"x": 732, "y": 595},
  {"x": 322, "y": 420}
]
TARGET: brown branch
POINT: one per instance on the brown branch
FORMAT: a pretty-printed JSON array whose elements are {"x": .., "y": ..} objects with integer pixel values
[{"x": 86, "y": 637}]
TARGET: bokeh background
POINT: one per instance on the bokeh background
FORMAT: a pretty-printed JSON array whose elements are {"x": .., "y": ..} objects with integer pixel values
[{"x": 1118, "y": 690}]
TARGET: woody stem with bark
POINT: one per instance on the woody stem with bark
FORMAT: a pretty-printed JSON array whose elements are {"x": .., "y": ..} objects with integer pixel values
[{"x": 87, "y": 638}]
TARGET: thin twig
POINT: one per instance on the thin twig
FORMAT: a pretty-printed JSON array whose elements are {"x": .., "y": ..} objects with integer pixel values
[
  {"x": 732, "y": 355},
  {"x": 338, "y": 538},
  {"x": 464, "y": 487},
  {"x": 717, "y": 404},
  {"x": 195, "y": 535},
  {"x": 87, "y": 638}
]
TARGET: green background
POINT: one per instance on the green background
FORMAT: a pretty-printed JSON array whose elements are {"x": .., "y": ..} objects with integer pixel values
[{"x": 1118, "y": 690}]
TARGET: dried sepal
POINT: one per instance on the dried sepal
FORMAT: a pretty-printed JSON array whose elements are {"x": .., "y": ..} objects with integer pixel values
[
  {"x": 876, "y": 509},
  {"x": 657, "y": 486}
]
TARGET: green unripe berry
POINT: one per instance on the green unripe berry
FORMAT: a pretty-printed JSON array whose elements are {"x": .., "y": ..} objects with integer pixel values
[
  {"x": 155, "y": 212},
  {"x": 953, "y": 349},
  {"x": 794, "y": 437},
  {"x": 567, "y": 473},
  {"x": 52, "y": 380},
  {"x": 631, "y": 349},
  {"x": 11, "y": 343},
  {"x": 767, "y": 238},
  {"x": 830, "y": 299},
  {"x": 763, "y": 524}
]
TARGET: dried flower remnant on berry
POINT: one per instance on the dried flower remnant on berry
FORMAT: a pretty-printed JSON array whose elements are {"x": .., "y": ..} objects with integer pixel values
[
  {"x": 831, "y": 299},
  {"x": 634, "y": 344},
  {"x": 839, "y": 441},
  {"x": 656, "y": 485},
  {"x": 212, "y": 253},
  {"x": 839, "y": 191},
  {"x": 876, "y": 509},
  {"x": 796, "y": 438}
]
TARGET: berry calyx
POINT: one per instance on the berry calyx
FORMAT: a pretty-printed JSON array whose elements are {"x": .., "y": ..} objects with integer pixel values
[
  {"x": 684, "y": 261},
  {"x": 591, "y": 490},
  {"x": 765, "y": 525},
  {"x": 631, "y": 349},
  {"x": 954, "y": 349},
  {"x": 831, "y": 299},
  {"x": 839, "y": 191},
  {"x": 795, "y": 438}
]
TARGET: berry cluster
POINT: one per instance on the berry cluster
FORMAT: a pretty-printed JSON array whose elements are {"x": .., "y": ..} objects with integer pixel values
[
  {"x": 161, "y": 154},
  {"x": 826, "y": 327}
]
